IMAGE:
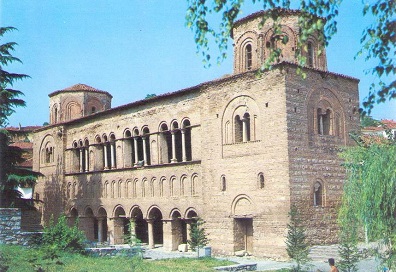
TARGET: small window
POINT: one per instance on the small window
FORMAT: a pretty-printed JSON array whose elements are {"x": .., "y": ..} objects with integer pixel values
[
  {"x": 310, "y": 53},
  {"x": 318, "y": 194},
  {"x": 93, "y": 110},
  {"x": 223, "y": 184},
  {"x": 248, "y": 57},
  {"x": 261, "y": 181}
]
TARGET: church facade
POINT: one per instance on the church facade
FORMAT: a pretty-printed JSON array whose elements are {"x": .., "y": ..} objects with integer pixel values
[{"x": 238, "y": 152}]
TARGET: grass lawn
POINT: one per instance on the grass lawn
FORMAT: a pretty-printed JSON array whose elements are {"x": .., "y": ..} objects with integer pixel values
[{"x": 21, "y": 259}]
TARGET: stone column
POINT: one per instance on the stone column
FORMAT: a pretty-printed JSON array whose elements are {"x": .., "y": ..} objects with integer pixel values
[
  {"x": 173, "y": 160},
  {"x": 168, "y": 237},
  {"x": 321, "y": 124},
  {"x": 144, "y": 151},
  {"x": 112, "y": 155},
  {"x": 188, "y": 225},
  {"x": 183, "y": 134},
  {"x": 244, "y": 130},
  {"x": 81, "y": 159},
  {"x": 87, "y": 159},
  {"x": 150, "y": 225},
  {"x": 100, "y": 230},
  {"x": 110, "y": 232},
  {"x": 106, "y": 163},
  {"x": 135, "y": 143}
]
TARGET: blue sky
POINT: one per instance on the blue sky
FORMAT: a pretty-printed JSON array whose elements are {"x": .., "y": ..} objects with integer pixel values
[{"x": 134, "y": 48}]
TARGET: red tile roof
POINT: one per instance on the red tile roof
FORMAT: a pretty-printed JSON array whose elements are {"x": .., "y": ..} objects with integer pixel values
[
  {"x": 23, "y": 145},
  {"x": 79, "y": 88},
  {"x": 385, "y": 124},
  {"x": 23, "y": 129}
]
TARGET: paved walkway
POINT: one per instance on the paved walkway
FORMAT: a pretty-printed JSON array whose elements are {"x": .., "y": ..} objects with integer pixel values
[{"x": 318, "y": 254}]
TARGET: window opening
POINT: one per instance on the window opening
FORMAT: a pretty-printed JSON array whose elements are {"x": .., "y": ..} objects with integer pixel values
[
  {"x": 223, "y": 184},
  {"x": 248, "y": 57},
  {"x": 238, "y": 129},
  {"x": 261, "y": 181},
  {"x": 310, "y": 52},
  {"x": 318, "y": 194}
]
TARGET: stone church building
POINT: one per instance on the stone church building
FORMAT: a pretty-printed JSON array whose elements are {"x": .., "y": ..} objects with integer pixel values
[{"x": 238, "y": 151}]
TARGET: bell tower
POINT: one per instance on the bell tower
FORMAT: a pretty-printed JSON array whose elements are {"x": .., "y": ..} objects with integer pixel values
[{"x": 253, "y": 42}]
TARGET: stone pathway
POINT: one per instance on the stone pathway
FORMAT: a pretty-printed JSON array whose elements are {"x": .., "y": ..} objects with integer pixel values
[{"x": 319, "y": 255}]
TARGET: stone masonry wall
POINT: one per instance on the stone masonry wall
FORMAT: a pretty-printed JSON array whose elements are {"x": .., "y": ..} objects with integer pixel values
[{"x": 10, "y": 228}]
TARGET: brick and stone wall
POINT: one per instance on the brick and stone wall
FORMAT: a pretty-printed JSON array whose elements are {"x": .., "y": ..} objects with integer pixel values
[{"x": 10, "y": 228}]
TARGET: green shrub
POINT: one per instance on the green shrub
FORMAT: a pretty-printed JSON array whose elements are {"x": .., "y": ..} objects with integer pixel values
[{"x": 60, "y": 236}]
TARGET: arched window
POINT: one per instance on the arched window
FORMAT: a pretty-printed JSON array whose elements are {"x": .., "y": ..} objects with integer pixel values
[
  {"x": 261, "y": 181},
  {"x": 310, "y": 54},
  {"x": 186, "y": 139},
  {"x": 143, "y": 188},
  {"x": 161, "y": 187},
  {"x": 318, "y": 194},
  {"x": 194, "y": 184},
  {"x": 238, "y": 129},
  {"x": 182, "y": 185},
  {"x": 113, "y": 188},
  {"x": 152, "y": 188},
  {"x": 93, "y": 110},
  {"x": 172, "y": 186},
  {"x": 324, "y": 121},
  {"x": 223, "y": 185},
  {"x": 119, "y": 189},
  {"x": 134, "y": 191},
  {"x": 146, "y": 146},
  {"x": 246, "y": 127},
  {"x": 165, "y": 144},
  {"x": 248, "y": 57}
]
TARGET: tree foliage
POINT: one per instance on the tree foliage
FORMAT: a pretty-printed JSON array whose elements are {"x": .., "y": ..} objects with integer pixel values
[
  {"x": 60, "y": 237},
  {"x": 198, "y": 236},
  {"x": 369, "y": 198},
  {"x": 296, "y": 245},
  {"x": 10, "y": 175},
  {"x": 378, "y": 40},
  {"x": 9, "y": 97}
]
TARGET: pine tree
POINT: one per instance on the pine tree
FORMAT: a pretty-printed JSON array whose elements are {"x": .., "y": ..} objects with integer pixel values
[
  {"x": 349, "y": 255},
  {"x": 297, "y": 246},
  {"x": 198, "y": 236},
  {"x": 10, "y": 175}
]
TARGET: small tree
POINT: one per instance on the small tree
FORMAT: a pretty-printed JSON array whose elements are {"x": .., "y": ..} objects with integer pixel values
[
  {"x": 198, "y": 236},
  {"x": 297, "y": 246},
  {"x": 348, "y": 252},
  {"x": 60, "y": 236}
]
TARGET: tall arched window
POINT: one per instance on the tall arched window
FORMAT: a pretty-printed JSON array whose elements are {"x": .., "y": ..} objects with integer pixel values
[
  {"x": 238, "y": 129},
  {"x": 310, "y": 54},
  {"x": 248, "y": 57},
  {"x": 261, "y": 181},
  {"x": 186, "y": 140},
  {"x": 324, "y": 121},
  {"x": 223, "y": 185},
  {"x": 161, "y": 187},
  {"x": 246, "y": 127},
  {"x": 318, "y": 194},
  {"x": 165, "y": 144},
  {"x": 143, "y": 188},
  {"x": 172, "y": 186}
]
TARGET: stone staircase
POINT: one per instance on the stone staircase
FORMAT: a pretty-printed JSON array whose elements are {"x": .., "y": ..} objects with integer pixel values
[{"x": 323, "y": 253}]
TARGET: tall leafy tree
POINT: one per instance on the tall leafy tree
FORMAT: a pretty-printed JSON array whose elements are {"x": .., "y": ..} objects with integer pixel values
[
  {"x": 378, "y": 40},
  {"x": 369, "y": 198},
  {"x": 9, "y": 100}
]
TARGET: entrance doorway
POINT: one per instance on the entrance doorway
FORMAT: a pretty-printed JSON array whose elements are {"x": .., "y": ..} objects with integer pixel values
[{"x": 243, "y": 235}]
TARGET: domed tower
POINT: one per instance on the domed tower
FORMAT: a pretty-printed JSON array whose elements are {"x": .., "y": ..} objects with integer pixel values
[
  {"x": 254, "y": 40},
  {"x": 77, "y": 101}
]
